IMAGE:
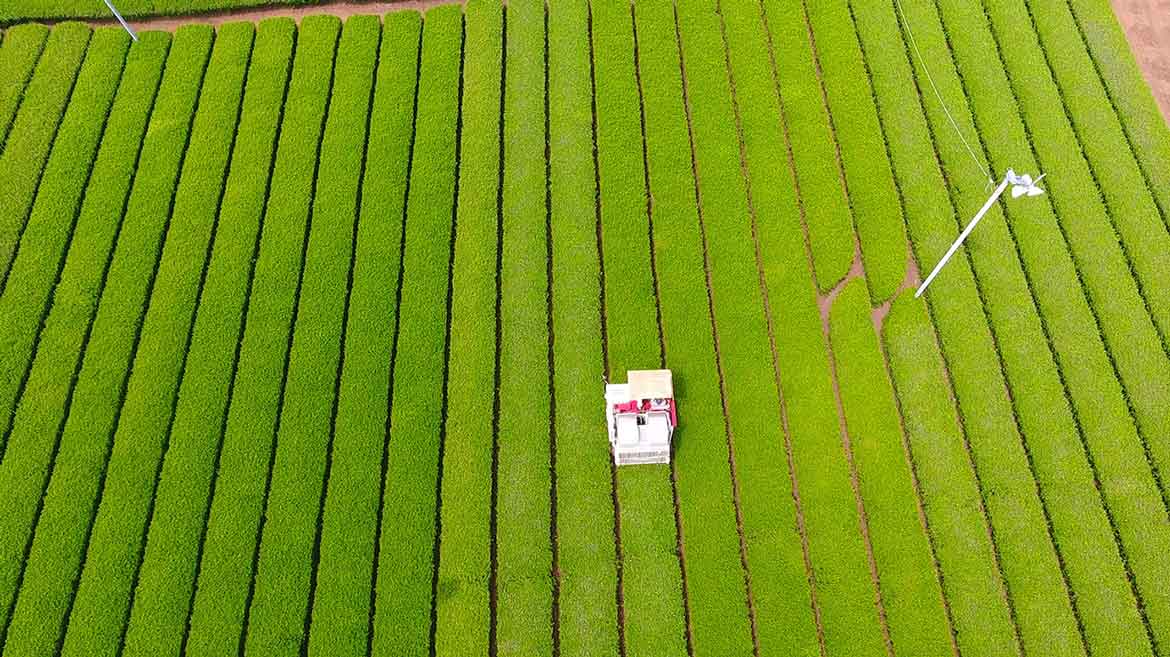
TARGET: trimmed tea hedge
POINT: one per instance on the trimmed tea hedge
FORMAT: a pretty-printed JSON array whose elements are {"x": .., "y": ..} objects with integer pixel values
[
  {"x": 285, "y": 577},
  {"x": 166, "y": 580},
  {"x": 341, "y": 606},
  {"x": 231, "y": 542},
  {"x": 588, "y": 621},
  {"x": 28, "y": 292},
  {"x": 88, "y": 408},
  {"x": 902, "y": 553},
  {"x": 19, "y": 52},
  {"x": 27, "y": 462},
  {"x": 524, "y": 579},
  {"x": 462, "y": 599},
  {"x": 403, "y": 597},
  {"x": 876, "y": 213},
  {"x": 33, "y": 131},
  {"x": 74, "y": 298},
  {"x": 101, "y": 606}
]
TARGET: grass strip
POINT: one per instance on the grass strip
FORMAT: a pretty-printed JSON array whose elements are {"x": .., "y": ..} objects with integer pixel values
[
  {"x": 1115, "y": 448},
  {"x": 164, "y": 589},
  {"x": 836, "y": 547},
  {"x": 781, "y": 595},
  {"x": 36, "y": 264},
  {"x": 19, "y": 52},
  {"x": 588, "y": 621},
  {"x": 33, "y": 131},
  {"x": 814, "y": 145},
  {"x": 910, "y": 588},
  {"x": 1114, "y": 169},
  {"x": 524, "y": 550},
  {"x": 1096, "y": 158},
  {"x": 462, "y": 606},
  {"x": 341, "y": 606},
  {"x": 230, "y": 546},
  {"x": 740, "y": 317},
  {"x": 1072, "y": 506},
  {"x": 86, "y": 401},
  {"x": 989, "y": 446},
  {"x": 1145, "y": 127},
  {"x": 101, "y": 607},
  {"x": 289, "y": 548},
  {"x": 649, "y": 571},
  {"x": 952, "y": 500},
  {"x": 678, "y": 256},
  {"x": 876, "y": 212},
  {"x": 28, "y": 460},
  {"x": 405, "y": 569},
  {"x": 795, "y": 323}
]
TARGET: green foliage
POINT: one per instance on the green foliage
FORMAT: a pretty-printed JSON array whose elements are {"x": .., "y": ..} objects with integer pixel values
[
  {"x": 46, "y": 238},
  {"x": 405, "y": 569},
  {"x": 33, "y": 129},
  {"x": 814, "y": 154},
  {"x": 951, "y": 498},
  {"x": 630, "y": 319},
  {"x": 780, "y": 587},
  {"x": 653, "y": 602},
  {"x": 90, "y": 396},
  {"x": 1134, "y": 343},
  {"x": 1063, "y": 475},
  {"x": 1107, "y": 429},
  {"x": 902, "y": 553},
  {"x": 97, "y": 621},
  {"x": 162, "y": 597},
  {"x": 341, "y": 605},
  {"x": 212, "y": 348},
  {"x": 585, "y": 515},
  {"x": 225, "y": 572},
  {"x": 524, "y": 577},
  {"x": 982, "y": 471},
  {"x": 19, "y": 52},
  {"x": 289, "y": 548},
  {"x": 22, "y": 10},
  {"x": 1144, "y": 125},
  {"x": 1111, "y": 161},
  {"x": 836, "y": 550},
  {"x": 876, "y": 214},
  {"x": 650, "y": 575},
  {"x": 462, "y": 598},
  {"x": 25, "y": 467}
]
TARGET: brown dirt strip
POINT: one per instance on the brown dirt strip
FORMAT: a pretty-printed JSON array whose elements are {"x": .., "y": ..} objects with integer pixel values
[
  {"x": 1147, "y": 26},
  {"x": 910, "y": 282},
  {"x": 341, "y": 8}
]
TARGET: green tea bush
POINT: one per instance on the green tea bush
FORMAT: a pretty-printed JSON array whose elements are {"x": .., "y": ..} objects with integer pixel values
[{"x": 224, "y": 580}]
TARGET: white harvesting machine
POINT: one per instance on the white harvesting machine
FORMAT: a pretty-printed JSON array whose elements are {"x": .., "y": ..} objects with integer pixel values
[{"x": 641, "y": 416}]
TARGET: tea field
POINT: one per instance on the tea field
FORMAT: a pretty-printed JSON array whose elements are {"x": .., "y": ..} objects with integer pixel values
[{"x": 303, "y": 328}]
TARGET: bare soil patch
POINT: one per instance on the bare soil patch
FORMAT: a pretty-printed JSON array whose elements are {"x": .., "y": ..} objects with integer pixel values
[{"x": 1147, "y": 25}]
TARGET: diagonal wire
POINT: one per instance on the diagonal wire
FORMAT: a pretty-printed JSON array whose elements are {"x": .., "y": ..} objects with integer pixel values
[{"x": 922, "y": 62}]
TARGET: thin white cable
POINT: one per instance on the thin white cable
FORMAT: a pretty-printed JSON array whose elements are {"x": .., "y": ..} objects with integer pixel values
[{"x": 938, "y": 95}]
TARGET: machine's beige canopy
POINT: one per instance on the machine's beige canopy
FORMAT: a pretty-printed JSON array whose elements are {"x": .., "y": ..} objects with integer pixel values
[{"x": 650, "y": 384}]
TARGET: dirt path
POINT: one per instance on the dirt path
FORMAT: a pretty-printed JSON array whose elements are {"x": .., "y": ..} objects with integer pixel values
[{"x": 1147, "y": 25}]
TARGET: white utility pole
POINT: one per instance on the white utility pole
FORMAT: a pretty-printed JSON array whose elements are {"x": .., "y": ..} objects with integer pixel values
[
  {"x": 1021, "y": 186},
  {"x": 121, "y": 20}
]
